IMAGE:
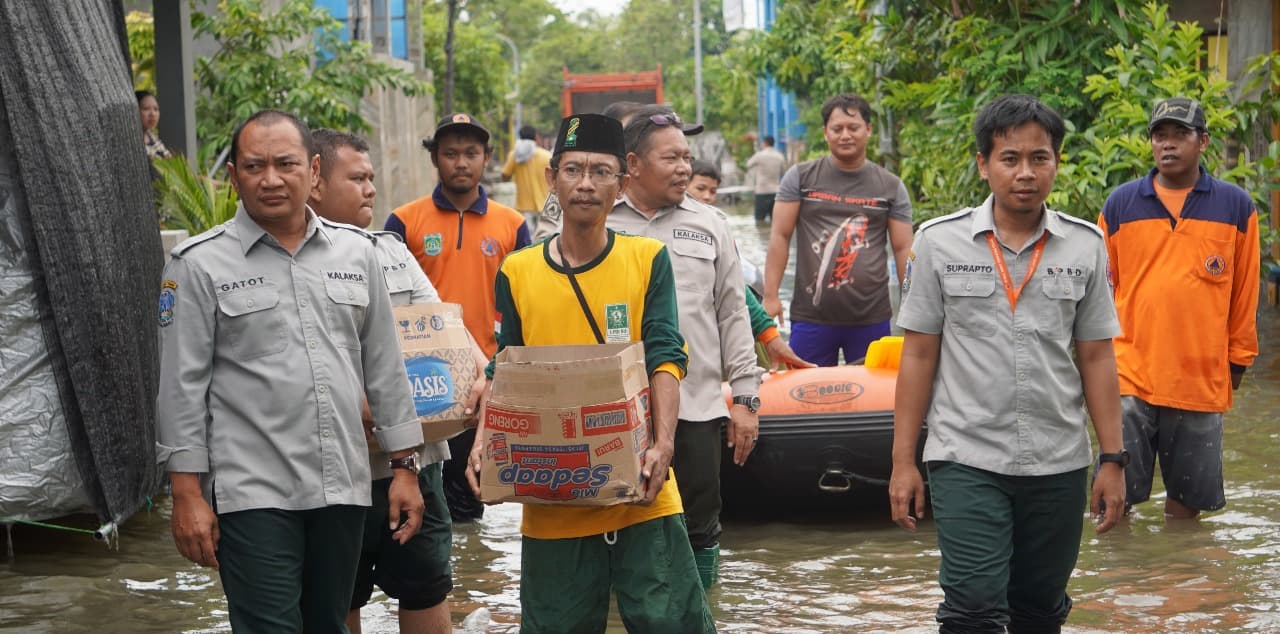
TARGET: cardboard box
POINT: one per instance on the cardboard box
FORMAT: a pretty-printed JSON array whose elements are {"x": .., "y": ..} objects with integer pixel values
[
  {"x": 566, "y": 425},
  {"x": 438, "y": 358}
]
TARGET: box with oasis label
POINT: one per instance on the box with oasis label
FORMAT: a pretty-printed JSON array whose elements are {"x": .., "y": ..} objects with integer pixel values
[
  {"x": 441, "y": 368},
  {"x": 566, "y": 425}
]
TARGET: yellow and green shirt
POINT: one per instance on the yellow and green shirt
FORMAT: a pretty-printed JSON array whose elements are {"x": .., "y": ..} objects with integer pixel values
[{"x": 631, "y": 292}]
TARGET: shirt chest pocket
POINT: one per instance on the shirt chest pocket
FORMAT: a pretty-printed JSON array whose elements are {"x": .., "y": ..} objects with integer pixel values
[
  {"x": 1064, "y": 293},
  {"x": 694, "y": 265},
  {"x": 251, "y": 322},
  {"x": 399, "y": 284},
  {"x": 348, "y": 301},
  {"x": 1214, "y": 260},
  {"x": 967, "y": 306}
]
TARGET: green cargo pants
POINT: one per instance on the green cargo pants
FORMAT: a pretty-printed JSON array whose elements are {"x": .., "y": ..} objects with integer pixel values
[{"x": 1009, "y": 544}]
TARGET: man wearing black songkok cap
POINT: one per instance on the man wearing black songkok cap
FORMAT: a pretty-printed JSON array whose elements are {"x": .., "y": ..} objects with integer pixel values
[{"x": 572, "y": 556}]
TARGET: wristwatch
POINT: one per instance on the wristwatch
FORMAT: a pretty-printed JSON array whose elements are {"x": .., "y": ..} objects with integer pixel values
[
  {"x": 1121, "y": 458},
  {"x": 409, "y": 462},
  {"x": 751, "y": 402}
]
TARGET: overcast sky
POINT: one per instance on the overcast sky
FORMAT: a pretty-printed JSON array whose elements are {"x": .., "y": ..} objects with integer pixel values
[{"x": 606, "y": 7}]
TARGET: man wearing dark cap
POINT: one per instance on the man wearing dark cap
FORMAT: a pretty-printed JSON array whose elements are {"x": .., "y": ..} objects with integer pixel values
[
  {"x": 557, "y": 294},
  {"x": 713, "y": 317},
  {"x": 1183, "y": 250},
  {"x": 459, "y": 237}
]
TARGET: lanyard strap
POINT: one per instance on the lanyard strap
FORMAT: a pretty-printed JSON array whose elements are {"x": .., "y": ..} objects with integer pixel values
[
  {"x": 577, "y": 290},
  {"x": 998, "y": 257}
]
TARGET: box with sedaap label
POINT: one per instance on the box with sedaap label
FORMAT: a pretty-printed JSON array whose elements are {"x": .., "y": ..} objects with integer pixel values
[
  {"x": 566, "y": 425},
  {"x": 437, "y": 357}
]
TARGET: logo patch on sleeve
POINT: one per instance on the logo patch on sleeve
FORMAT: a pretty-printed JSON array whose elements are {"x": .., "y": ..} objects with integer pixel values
[{"x": 168, "y": 298}]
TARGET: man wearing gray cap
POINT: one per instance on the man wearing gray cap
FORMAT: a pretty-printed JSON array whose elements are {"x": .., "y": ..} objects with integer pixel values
[{"x": 1184, "y": 251}]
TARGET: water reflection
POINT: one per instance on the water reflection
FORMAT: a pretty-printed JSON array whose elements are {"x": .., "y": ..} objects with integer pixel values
[{"x": 851, "y": 571}]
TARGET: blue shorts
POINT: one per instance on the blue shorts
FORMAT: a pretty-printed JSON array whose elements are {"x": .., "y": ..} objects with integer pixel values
[{"x": 820, "y": 344}]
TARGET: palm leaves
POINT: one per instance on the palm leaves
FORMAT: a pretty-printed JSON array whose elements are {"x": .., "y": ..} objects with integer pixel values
[{"x": 190, "y": 201}]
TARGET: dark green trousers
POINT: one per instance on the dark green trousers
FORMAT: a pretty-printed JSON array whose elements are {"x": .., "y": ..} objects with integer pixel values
[
  {"x": 289, "y": 571},
  {"x": 1009, "y": 544},
  {"x": 697, "y": 466},
  {"x": 565, "y": 583}
]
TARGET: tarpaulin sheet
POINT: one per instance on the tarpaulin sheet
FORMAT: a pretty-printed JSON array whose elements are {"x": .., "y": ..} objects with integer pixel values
[{"x": 82, "y": 219}]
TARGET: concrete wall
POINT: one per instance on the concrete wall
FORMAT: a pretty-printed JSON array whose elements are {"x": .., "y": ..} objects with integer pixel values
[{"x": 402, "y": 168}]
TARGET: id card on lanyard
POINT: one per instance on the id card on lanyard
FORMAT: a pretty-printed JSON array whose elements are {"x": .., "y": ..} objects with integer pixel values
[{"x": 1006, "y": 281}]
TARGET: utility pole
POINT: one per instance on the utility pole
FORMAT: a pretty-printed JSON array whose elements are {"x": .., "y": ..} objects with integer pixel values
[
  {"x": 697, "y": 58},
  {"x": 517, "y": 118},
  {"x": 448, "y": 57}
]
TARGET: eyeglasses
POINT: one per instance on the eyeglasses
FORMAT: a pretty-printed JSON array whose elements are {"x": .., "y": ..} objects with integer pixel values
[{"x": 599, "y": 174}]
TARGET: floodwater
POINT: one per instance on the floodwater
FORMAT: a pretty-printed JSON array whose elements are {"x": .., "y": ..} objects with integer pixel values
[{"x": 850, "y": 570}]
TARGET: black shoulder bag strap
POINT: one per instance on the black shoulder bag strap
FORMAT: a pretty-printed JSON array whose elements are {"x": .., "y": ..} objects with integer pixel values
[{"x": 577, "y": 290}]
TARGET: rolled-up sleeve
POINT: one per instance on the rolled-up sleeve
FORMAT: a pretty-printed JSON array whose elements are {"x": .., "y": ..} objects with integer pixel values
[
  {"x": 386, "y": 383},
  {"x": 188, "y": 308}
]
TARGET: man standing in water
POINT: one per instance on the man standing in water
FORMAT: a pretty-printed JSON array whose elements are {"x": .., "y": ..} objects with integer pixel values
[
  {"x": 766, "y": 169},
  {"x": 274, "y": 327},
  {"x": 1184, "y": 264},
  {"x": 417, "y": 574},
  {"x": 555, "y": 294},
  {"x": 844, "y": 207},
  {"x": 996, "y": 300},
  {"x": 713, "y": 316}
]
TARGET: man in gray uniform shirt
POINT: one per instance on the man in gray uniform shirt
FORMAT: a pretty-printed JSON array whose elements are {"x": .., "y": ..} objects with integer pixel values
[
  {"x": 713, "y": 317},
  {"x": 1008, "y": 319},
  {"x": 417, "y": 574},
  {"x": 270, "y": 326}
]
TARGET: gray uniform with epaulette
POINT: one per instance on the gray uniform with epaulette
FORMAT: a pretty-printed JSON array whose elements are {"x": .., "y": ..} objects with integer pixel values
[
  {"x": 407, "y": 284},
  {"x": 709, "y": 290},
  {"x": 265, "y": 359},
  {"x": 1007, "y": 395}
]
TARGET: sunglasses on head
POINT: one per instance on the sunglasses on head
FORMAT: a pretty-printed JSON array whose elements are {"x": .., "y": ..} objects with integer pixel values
[{"x": 665, "y": 119}]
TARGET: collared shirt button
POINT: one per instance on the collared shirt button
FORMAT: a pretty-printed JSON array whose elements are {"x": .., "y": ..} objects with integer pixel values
[
  {"x": 968, "y": 286},
  {"x": 311, "y": 344},
  {"x": 302, "y": 303},
  {"x": 249, "y": 303},
  {"x": 322, "y": 389},
  {"x": 1022, "y": 377}
]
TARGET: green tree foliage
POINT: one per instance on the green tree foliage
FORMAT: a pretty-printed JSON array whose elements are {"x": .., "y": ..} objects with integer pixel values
[
  {"x": 929, "y": 66},
  {"x": 141, "y": 31},
  {"x": 644, "y": 36},
  {"x": 292, "y": 59},
  {"x": 482, "y": 66}
]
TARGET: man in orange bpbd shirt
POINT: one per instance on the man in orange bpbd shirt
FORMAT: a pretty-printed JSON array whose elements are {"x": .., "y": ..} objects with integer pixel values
[
  {"x": 1183, "y": 250},
  {"x": 459, "y": 237}
]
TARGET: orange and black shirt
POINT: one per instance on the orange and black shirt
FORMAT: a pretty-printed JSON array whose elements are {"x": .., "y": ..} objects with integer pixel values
[
  {"x": 461, "y": 251},
  {"x": 1186, "y": 290}
]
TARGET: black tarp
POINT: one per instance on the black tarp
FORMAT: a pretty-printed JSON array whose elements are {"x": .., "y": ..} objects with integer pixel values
[{"x": 68, "y": 97}]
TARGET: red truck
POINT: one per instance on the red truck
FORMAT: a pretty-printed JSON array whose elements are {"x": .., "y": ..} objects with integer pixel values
[{"x": 586, "y": 92}]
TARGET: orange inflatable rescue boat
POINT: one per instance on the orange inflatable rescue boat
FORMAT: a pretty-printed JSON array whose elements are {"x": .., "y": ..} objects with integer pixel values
[{"x": 823, "y": 431}]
